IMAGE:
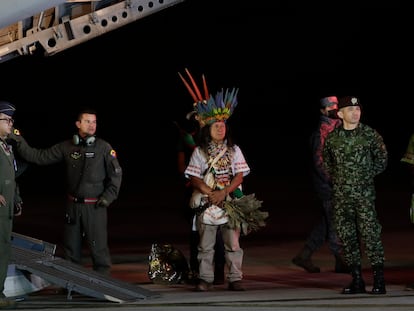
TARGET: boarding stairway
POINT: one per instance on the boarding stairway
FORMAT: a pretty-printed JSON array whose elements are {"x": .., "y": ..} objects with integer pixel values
[{"x": 37, "y": 257}]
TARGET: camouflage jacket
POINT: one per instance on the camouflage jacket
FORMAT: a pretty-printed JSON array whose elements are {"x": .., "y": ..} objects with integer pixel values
[{"x": 353, "y": 158}]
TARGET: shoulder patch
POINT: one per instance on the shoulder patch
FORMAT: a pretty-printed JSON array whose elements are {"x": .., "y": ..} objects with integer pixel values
[{"x": 113, "y": 153}]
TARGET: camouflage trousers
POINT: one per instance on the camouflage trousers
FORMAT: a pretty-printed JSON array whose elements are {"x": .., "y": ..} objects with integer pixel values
[{"x": 358, "y": 227}]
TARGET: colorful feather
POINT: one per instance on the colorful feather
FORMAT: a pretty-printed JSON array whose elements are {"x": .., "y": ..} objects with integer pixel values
[{"x": 211, "y": 109}]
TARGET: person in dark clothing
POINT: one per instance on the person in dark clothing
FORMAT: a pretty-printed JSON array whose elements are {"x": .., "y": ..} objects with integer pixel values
[
  {"x": 93, "y": 179},
  {"x": 9, "y": 196},
  {"x": 324, "y": 231},
  {"x": 354, "y": 154},
  {"x": 188, "y": 130},
  {"x": 408, "y": 161}
]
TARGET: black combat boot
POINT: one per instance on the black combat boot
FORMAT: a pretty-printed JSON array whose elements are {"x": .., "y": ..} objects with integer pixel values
[
  {"x": 357, "y": 285},
  {"x": 379, "y": 283},
  {"x": 303, "y": 259}
]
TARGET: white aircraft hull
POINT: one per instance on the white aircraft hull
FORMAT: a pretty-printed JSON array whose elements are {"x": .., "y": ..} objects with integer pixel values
[
  {"x": 49, "y": 27},
  {"x": 12, "y": 11}
]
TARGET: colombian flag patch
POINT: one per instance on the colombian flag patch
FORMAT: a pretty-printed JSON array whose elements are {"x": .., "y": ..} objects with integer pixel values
[{"x": 113, "y": 153}]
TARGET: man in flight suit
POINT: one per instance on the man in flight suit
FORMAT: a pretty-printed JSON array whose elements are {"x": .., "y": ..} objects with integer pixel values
[{"x": 93, "y": 182}]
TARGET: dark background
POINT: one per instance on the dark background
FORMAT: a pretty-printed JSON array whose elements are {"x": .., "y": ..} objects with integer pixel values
[{"x": 282, "y": 55}]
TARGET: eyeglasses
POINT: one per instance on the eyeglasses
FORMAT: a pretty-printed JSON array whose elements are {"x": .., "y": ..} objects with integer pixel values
[{"x": 8, "y": 120}]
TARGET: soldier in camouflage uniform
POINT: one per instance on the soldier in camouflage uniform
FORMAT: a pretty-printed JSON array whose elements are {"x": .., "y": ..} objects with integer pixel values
[{"x": 354, "y": 154}]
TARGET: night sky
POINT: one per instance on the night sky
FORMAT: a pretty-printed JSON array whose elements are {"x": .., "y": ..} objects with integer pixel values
[{"x": 282, "y": 57}]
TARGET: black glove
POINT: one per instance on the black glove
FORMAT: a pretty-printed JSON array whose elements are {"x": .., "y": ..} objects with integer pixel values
[
  {"x": 14, "y": 135},
  {"x": 102, "y": 202}
]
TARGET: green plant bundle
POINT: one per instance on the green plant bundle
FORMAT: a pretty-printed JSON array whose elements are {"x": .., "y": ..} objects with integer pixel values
[{"x": 245, "y": 213}]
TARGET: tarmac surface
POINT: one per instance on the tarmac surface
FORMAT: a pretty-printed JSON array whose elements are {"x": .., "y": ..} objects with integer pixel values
[{"x": 272, "y": 282}]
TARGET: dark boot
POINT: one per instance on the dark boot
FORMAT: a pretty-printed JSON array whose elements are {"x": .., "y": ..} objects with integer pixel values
[
  {"x": 357, "y": 285},
  {"x": 340, "y": 265},
  {"x": 303, "y": 260},
  {"x": 379, "y": 283}
]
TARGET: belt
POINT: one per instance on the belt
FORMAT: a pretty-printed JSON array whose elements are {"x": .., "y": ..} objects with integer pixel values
[{"x": 82, "y": 200}]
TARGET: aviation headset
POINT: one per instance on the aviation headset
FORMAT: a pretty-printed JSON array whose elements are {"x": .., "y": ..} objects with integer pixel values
[{"x": 88, "y": 141}]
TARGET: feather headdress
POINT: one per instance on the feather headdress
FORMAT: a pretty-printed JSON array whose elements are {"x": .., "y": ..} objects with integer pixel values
[{"x": 209, "y": 108}]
